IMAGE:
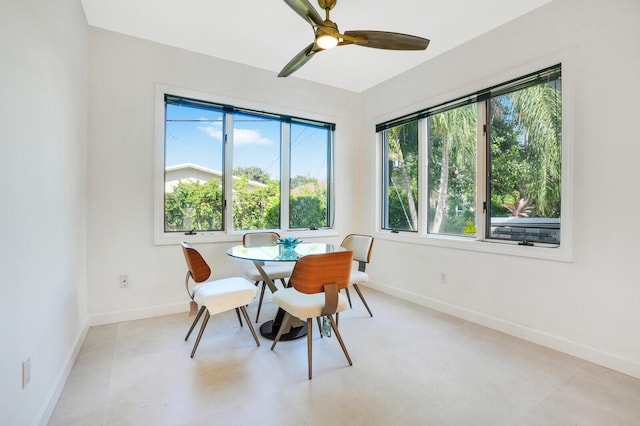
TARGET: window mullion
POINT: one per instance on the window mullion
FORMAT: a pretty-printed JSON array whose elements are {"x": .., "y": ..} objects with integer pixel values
[
  {"x": 423, "y": 175},
  {"x": 227, "y": 162},
  {"x": 482, "y": 172},
  {"x": 285, "y": 174}
]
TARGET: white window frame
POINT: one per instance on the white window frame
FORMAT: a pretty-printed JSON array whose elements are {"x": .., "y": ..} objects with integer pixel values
[
  {"x": 563, "y": 252},
  {"x": 229, "y": 234}
]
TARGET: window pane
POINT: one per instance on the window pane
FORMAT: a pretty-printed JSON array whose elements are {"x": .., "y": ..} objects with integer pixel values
[
  {"x": 525, "y": 164},
  {"x": 452, "y": 161},
  {"x": 256, "y": 172},
  {"x": 400, "y": 209},
  {"x": 308, "y": 195},
  {"x": 193, "y": 168}
]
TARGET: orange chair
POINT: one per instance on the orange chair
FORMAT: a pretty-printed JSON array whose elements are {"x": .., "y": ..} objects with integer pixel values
[
  {"x": 215, "y": 296},
  {"x": 314, "y": 292}
]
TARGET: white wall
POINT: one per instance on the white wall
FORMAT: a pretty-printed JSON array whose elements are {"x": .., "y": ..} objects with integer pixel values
[
  {"x": 590, "y": 306},
  {"x": 43, "y": 300},
  {"x": 123, "y": 72}
]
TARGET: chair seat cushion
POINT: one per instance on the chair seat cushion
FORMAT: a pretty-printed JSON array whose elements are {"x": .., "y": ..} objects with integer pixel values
[
  {"x": 224, "y": 294},
  {"x": 358, "y": 277},
  {"x": 304, "y": 305},
  {"x": 274, "y": 271}
]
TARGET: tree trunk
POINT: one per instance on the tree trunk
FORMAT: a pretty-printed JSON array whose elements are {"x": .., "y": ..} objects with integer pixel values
[
  {"x": 443, "y": 194},
  {"x": 406, "y": 184}
]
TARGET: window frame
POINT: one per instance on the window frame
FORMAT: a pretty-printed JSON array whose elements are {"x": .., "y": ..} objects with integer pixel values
[
  {"x": 562, "y": 252},
  {"x": 161, "y": 237}
]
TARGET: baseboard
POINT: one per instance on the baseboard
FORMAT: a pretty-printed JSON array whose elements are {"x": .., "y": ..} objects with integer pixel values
[
  {"x": 561, "y": 344},
  {"x": 136, "y": 314},
  {"x": 50, "y": 401}
]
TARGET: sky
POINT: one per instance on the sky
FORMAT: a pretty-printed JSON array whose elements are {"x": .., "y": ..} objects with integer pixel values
[{"x": 194, "y": 135}]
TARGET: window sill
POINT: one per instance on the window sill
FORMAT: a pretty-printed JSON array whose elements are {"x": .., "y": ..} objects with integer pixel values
[
  {"x": 223, "y": 237},
  {"x": 508, "y": 248}
]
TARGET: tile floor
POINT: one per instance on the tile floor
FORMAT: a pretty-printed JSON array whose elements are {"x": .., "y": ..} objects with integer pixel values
[{"x": 411, "y": 366}]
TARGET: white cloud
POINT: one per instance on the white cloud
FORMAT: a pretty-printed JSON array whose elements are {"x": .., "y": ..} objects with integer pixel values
[
  {"x": 249, "y": 137},
  {"x": 240, "y": 136},
  {"x": 214, "y": 131}
]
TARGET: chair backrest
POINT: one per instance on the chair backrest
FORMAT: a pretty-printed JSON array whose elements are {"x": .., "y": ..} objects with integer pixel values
[
  {"x": 313, "y": 271},
  {"x": 360, "y": 245},
  {"x": 196, "y": 264},
  {"x": 255, "y": 239}
]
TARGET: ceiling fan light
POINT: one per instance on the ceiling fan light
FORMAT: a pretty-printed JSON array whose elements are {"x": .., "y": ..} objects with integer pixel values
[{"x": 326, "y": 41}]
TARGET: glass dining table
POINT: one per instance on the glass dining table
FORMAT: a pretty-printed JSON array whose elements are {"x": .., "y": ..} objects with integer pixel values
[{"x": 277, "y": 253}]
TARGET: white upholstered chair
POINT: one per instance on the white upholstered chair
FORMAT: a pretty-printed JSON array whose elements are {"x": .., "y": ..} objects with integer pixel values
[
  {"x": 314, "y": 292},
  {"x": 275, "y": 271},
  {"x": 215, "y": 296},
  {"x": 361, "y": 246}
]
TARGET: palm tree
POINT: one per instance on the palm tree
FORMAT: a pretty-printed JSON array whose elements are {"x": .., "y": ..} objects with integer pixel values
[
  {"x": 403, "y": 139},
  {"x": 452, "y": 136},
  {"x": 526, "y": 150},
  {"x": 539, "y": 109}
]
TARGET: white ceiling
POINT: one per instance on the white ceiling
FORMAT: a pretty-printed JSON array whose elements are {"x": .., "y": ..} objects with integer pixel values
[{"x": 267, "y": 33}]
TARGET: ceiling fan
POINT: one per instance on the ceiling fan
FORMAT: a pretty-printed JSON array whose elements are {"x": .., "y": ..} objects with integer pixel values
[{"x": 327, "y": 35}]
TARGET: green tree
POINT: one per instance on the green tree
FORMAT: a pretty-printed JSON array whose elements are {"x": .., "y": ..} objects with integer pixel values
[
  {"x": 199, "y": 206},
  {"x": 252, "y": 173},
  {"x": 256, "y": 207},
  {"x": 308, "y": 203},
  {"x": 403, "y": 176},
  {"x": 539, "y": 113},
  {"x": 526, "y": 152},
  {"x": 452, "y": 136},
  {"x": 194, "y": 205}
]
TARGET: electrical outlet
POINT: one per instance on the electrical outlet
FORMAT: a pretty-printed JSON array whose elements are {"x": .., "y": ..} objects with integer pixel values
[
  {"x": 443, "y": 278},
  {"x": 26, "y": 372},
  {"x": 124, "y": 281}
]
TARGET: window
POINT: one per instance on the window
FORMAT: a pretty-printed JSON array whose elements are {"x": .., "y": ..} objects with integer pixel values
[
  {"x": 511, "y": 191},
  {"x": 310, "y": 175},
  {"x": 452, "y": 176},
  {"x": 226, "y": 169},
  {"x": 256, "y": 171},
  {"x": 401, "y": 177},
  {"x": 193, "y": 182},
  {"x": 525, "y": 156}
]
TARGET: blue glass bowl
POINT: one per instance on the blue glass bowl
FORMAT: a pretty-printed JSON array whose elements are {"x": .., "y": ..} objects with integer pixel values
[{"x": 288, "y": 243}]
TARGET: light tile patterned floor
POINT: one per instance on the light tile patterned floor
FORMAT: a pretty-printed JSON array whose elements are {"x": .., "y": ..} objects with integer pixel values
[{"x": 411, "y": 366}]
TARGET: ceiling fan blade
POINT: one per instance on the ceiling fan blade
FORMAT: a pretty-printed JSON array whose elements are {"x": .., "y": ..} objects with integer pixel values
[
  {"x": 306, "y": 11},
  {"x": 391, "y": 41},
  {"x": 298, "y": 61}
]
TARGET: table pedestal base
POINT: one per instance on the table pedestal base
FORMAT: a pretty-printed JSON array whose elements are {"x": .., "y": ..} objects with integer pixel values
[{"x": 270, "y": 328}]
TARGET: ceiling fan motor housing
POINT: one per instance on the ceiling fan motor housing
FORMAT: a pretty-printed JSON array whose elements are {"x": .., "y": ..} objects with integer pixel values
[{"x": 327, "y": 4}]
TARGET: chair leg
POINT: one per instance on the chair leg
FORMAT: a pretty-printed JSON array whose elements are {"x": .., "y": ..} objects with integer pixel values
[
  {"x": 246, "y": 318},
  {"x": 195, "y": 321},
  {"x": 260, "y": 301},
  {"x": 202, "y": 327},
  {"x": 346, "y": 289},
  {"x": 309, "y": 344},
  {"x": 319, "y": 327},
  {"x": 335, "y": 330},
  {"x": 362, "y": 298},
  {"x": 284, "y": 325},
  {"x": 238, "y": 314}
]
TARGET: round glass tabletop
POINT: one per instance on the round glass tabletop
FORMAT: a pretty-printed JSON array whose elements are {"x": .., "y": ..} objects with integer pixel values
[{"x": 277, "y": 253}]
